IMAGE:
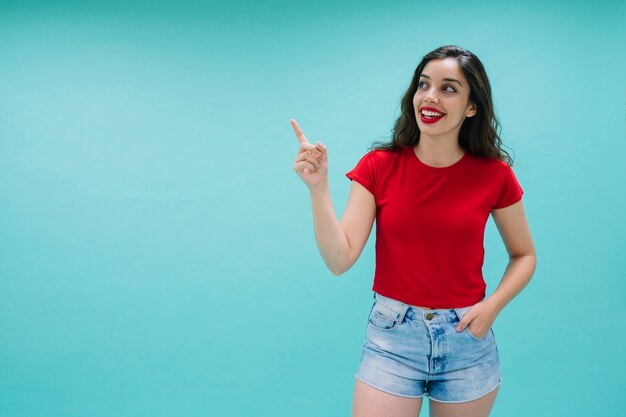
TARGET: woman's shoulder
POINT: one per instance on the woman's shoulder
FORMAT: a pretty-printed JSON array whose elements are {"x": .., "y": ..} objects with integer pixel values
[
  {"x": 490, "y": 167},
  {"x": 376, "y": 159},
  {"x": 490, "y": 162}
]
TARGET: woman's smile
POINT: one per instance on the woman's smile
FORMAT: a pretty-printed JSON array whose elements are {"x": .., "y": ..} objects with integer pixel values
[{"x": 430, "y": 115}]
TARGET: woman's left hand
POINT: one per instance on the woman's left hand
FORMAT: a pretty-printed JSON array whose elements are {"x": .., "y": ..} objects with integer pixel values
[{"x": 479, "y": 319}]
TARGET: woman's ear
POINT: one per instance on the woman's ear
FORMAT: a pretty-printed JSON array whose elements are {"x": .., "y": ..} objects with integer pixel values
[{"x": 471, "y": 110}]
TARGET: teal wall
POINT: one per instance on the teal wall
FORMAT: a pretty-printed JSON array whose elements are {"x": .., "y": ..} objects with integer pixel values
[{"x": 157, "y": 255}]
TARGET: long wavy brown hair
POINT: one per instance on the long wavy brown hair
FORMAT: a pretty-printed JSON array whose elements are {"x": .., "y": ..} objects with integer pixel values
[{"x": 479, "y": 135}]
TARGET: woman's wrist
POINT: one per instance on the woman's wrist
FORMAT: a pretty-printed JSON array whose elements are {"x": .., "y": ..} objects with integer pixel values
[{"x": 321, "y": 187}]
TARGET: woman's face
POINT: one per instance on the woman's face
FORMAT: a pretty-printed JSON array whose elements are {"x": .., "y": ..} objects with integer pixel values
[{"x": 442, "y": 88}]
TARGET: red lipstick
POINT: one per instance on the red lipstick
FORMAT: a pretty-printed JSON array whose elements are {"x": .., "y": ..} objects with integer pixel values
[{"x": 430, "y": 120}]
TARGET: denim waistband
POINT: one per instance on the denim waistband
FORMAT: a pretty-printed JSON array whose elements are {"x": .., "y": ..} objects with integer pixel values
[{"x": 439, "y": 315}]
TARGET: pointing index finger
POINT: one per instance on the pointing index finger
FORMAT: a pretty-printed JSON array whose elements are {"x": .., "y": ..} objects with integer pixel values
[{"x": 298, "y": 131}]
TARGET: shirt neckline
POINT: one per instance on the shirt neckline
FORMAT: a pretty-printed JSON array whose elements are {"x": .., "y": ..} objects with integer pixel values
[{"x": 436, "y": 170}]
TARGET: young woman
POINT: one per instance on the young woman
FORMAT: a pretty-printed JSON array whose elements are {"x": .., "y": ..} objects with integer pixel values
[{"x": 431, "y": 190}]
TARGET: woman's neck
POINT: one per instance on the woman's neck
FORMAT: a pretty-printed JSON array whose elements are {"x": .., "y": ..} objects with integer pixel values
[{"x": 438, "y": 154}]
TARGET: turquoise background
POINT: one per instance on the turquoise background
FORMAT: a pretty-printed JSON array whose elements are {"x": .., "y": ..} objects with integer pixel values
[{"x": 157, "y": 255}]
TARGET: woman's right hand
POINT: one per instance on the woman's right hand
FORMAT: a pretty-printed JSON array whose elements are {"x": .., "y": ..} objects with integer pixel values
[{"x": 311, "y": 163}]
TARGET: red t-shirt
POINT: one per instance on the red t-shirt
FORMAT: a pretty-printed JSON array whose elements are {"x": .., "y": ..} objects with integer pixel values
[{"x": 430, "y": 224}]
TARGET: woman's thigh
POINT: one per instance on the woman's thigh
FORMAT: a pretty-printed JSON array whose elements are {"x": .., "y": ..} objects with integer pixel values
[
  {"x": 371, "y": 402},
  {"x": 480, "y": 407}
]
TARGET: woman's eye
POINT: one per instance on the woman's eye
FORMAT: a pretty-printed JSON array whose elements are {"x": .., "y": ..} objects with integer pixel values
[{"x": 446, "y": 88}]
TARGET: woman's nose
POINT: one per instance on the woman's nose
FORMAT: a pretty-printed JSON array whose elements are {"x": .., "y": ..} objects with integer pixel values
[{"x": 431, "y": 97}]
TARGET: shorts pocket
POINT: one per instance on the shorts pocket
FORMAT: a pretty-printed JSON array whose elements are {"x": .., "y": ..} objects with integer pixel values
[
  {"x": 461, "y": 312},
  {"x": 470, "y": 334},
  {"x": 382, "y": 318}
]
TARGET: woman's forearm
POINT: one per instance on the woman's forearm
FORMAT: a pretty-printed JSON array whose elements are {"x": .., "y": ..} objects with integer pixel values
[
  {"x": 518, "y": 273},
  {"x": 330, "y": 237}
]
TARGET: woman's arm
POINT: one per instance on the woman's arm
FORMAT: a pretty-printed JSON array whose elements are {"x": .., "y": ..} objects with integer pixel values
[
  {"x": 341, "y": 243},
  {"x": 513, "y": 227},
  {"x": 511, "y": 223}
]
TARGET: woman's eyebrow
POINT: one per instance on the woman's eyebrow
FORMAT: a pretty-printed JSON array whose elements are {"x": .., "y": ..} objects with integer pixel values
[{"x": 445, "y": 79}]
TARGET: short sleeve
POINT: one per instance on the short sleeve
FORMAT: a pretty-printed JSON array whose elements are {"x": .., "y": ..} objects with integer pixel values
[
  {"x": 365, "y": 171},
  {"x": 510, "y": 190}
]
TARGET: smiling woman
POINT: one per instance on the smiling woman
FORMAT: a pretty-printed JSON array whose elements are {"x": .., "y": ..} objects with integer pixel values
[
  {"x": 449, "y": 79},
  {"x": 430, "y": 190}
]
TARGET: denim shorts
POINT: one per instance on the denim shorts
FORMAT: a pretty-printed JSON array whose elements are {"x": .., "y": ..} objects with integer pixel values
[{"x": 413, "y": 352}]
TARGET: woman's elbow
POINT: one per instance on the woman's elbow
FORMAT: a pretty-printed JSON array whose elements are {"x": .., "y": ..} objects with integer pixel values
[
  {"x": 337, "y": 271},
  {"x": 341, "y": 262},
  {"x": 340, "y": 269}
]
